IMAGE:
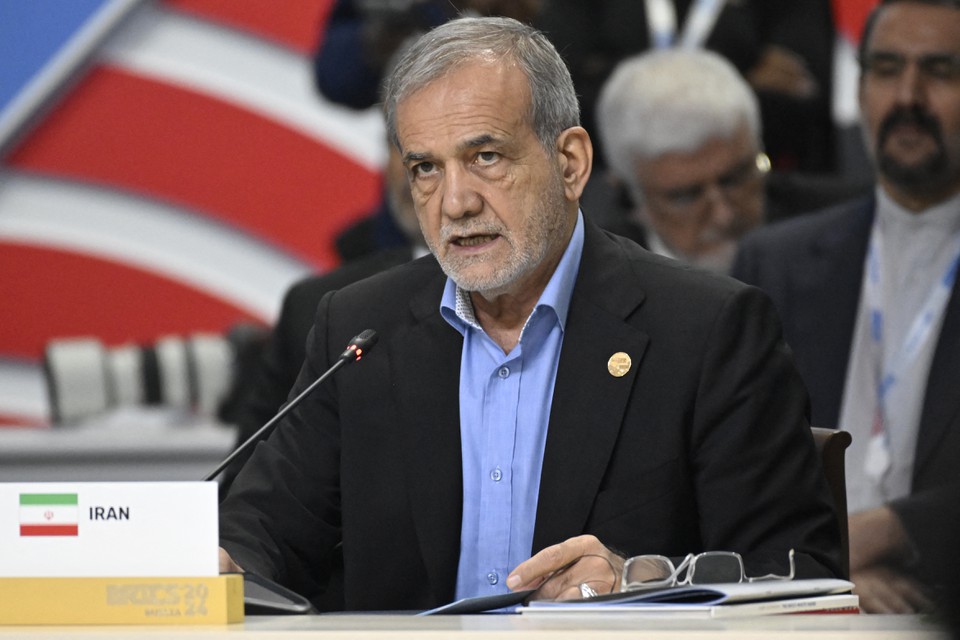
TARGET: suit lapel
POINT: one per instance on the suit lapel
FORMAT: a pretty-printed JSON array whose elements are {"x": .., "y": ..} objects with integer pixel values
[
  {"x": 585, "y": 419},
  {"x": 827, "y": 297},
  {"x": 941, "y": 402},
  {"x": 427, "y": 350}
]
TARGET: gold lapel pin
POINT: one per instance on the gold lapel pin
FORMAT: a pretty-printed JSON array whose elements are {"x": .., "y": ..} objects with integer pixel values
[{"x": 619, "y": 364}]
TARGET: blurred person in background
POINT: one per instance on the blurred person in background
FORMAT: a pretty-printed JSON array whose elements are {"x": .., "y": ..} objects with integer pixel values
[
  {"x": 783, "y": 48},
  {"x": 681, "y": 129},
  {"x": 361, "y": 37},
  {"x": 264, "y": 386},
  {"x": 867, "y": 293}
]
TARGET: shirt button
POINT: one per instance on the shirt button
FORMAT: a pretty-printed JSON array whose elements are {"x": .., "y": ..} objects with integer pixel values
[
  {"x": 504, "y": 372},
  {"x": 496, "y": 475},
  {"x": 493, "y": 578}
]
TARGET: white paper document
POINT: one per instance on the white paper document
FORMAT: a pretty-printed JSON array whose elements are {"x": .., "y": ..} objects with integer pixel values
[{"x": 719, "y": 600}]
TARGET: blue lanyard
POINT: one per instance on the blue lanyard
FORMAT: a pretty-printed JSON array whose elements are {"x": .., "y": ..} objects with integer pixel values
[
  {"x": 662, "y": 23},
  {"x": 888, "y": 374}
]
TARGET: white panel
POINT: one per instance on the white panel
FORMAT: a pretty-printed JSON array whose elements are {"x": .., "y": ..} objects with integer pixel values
[
  {"x": 846, "y": 80},
  {"x": 236, "y": 67},
  {"x": 190, "y": 249},
  {"x": 23, "y": 390}
]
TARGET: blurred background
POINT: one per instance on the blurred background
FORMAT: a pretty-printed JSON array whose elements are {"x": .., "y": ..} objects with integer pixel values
[{"x": 168, "y": 169}]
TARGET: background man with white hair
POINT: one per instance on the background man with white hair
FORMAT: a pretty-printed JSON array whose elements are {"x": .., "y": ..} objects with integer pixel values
[{"x": 681, "y": 129}]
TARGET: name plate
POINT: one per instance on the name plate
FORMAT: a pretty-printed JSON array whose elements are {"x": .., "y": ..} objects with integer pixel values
[
  {"x": 140, "y": 601},
  {"x": 108, "y": 529}
]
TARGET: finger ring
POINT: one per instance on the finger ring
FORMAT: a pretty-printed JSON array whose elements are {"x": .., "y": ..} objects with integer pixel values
[{"x": 587, "y": 591}]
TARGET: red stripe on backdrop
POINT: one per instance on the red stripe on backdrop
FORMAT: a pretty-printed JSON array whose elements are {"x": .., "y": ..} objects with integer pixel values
[
  {"x": 208, "y": 155},
  {"x": 49, "y": 530},
  {"x": 53, "y": 293},
  {"x": 849, "y": 16},
  {"x": 12, "y": 420},
  {"x": 296, "y": 24}
]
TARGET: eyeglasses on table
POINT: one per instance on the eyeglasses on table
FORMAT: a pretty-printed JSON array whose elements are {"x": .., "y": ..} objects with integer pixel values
[{"x": 709, "y": 567}]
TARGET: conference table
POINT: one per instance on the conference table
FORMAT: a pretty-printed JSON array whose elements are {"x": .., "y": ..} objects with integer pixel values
[
  {"x": 519, "y": 627},
  {"x": 127, "y": 448}
]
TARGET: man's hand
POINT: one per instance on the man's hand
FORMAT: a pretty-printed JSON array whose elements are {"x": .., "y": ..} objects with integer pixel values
[
  {"x": 227, "y": 565},
  {"x": 782, "y": 71},
  {"x": 885, "y": 590},
  {"x": 876, "y": 537},
  {"x": 558, "y": 571}
]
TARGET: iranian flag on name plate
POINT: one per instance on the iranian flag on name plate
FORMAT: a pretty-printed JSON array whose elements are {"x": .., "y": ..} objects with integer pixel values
[{"x": 49, "y": 514}]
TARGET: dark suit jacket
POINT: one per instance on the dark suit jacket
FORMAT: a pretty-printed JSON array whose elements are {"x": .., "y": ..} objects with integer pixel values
[
  {"x": 593, "y": 37},
  {"x": 812, "y": 268},
  {"x": 703, "y": 444},
  {"x": 285, "y": 350}
]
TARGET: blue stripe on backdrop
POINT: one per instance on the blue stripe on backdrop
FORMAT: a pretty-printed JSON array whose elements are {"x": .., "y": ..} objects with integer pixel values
[{"x": 31, "y": 33}]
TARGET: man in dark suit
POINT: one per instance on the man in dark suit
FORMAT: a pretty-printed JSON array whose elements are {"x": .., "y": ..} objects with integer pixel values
[
  {"x": 540, "y": 386},
  {"x": 866, "y": 292}
]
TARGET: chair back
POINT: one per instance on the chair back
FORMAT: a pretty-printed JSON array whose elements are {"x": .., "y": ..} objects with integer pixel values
[{"x": 832, "y": 445}]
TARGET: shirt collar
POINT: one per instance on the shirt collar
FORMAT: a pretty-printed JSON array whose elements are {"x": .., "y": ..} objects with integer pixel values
[
  {"x": 457, "y": 308},
  {"x": 945, "y": 215}
]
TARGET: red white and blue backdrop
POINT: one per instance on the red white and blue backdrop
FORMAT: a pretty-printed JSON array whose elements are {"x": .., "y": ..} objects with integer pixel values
[{"x": 167, "y": 168}]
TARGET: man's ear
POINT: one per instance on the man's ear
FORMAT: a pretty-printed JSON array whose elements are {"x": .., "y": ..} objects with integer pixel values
[{"x": 575, "y": 154}]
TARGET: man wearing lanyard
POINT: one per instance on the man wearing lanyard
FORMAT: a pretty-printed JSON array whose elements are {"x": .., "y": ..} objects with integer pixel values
[{"x": 867, "y": 292}]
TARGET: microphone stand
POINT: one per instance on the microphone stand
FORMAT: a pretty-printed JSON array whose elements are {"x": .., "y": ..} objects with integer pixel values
[{"x": 364, "y": 341}]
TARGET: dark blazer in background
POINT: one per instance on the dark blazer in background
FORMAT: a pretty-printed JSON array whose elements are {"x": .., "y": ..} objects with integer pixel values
[
  {"x": 593, "y": 37},
  {"x": 812, "y": 268},
  {"x": 286, "y": 348}
]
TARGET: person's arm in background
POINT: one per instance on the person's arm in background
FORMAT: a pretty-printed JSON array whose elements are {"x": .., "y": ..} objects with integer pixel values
[
  {"x": 891, "y": 546},
  {"x": 276, "y": 369},
  {"x": 879, "y": 547},
  {"x": 357, "y": 44},
  {"x": 796, "y": 42},
  {"x": 345, "y": 71}
]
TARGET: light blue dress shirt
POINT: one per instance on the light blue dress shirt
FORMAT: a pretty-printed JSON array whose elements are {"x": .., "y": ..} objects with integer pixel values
[{"x": 505, "y": 404}]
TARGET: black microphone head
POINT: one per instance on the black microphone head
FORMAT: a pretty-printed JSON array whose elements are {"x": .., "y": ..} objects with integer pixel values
[{"x": 360, "y": 344}]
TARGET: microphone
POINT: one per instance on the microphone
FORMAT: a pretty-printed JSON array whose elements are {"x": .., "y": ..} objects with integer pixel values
[{"x": 360, "y": 344}]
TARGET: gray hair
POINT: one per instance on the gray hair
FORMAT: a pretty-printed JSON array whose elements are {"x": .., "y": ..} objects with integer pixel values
[
  {"x": 553, "y": 100},
  {"x": 672, "y": 100}
]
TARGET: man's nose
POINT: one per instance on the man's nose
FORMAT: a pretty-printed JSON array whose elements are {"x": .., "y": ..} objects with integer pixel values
[
  {"x": 460, "y": 196},
  {"x": 720, "y": 208},
  {"x": 911, "y": 86}
]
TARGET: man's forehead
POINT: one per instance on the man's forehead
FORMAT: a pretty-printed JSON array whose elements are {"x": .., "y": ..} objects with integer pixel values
[
  {"x": 916, "y": 27},
  {"x": 466, "y": 110}
]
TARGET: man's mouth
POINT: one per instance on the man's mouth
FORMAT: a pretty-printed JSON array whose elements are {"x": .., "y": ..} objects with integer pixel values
[
  {"x": 474, "y": 241},
  {"x": 909, "y": 124}
]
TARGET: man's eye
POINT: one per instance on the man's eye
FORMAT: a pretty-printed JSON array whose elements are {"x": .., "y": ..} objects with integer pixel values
[
  {"x": 887, "y": 68},
  {"x": 884, "y": 66},
  {"x": 422, "y": 169},
  {"x": 487, "y": 157},
  {"x": 684, "y": 197},
  {"x": 942, "y": 67}
]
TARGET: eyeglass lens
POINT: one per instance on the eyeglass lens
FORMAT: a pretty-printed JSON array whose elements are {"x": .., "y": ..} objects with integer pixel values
[{"x": 714, "y": 568}]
